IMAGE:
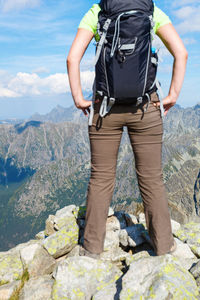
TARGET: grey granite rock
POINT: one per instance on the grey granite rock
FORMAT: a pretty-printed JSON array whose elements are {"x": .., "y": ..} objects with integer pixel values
[
  {"x": 132, "y": 235},
  {"x": 81, "y": 278},
  {"x": 64, "y": 240},
  {"x": 7, "y": 290},
  {"x": 39, "y": 288},
  {"x": 159, "y": 278},
  {"x": 37, "y": 260},
  {"x": 190, "y": 234}
]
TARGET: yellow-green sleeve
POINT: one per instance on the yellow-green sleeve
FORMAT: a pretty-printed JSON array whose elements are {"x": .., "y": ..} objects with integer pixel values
[
  {"x": 90, "y": 19},
  {"x": 160, "y": 18}
]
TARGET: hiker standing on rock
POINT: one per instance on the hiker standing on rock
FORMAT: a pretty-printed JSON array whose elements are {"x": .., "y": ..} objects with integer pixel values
[{"x": 126, "y": 94}]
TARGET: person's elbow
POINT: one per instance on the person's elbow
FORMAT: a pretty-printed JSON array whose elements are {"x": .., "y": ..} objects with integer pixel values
[
  {"x": 185, "y": 54},
  {"x": 71, "y": 60},
  {"x": 182, "y": 54}
]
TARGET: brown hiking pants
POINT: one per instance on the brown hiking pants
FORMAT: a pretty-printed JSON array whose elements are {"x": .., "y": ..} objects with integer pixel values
[{"x": 145, "y": 130}]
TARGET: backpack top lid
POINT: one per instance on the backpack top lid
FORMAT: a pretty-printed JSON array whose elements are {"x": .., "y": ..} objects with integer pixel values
[{"x": 111, "y": 7}]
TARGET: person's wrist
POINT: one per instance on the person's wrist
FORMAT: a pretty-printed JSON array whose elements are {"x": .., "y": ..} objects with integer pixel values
[
  {"x": 78, "y": 102},
  {"x": 172, "y": 98}
]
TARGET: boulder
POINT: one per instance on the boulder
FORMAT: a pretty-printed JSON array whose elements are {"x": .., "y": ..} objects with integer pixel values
[
  {"x": 108, "y": 293},
  {"x": 132, "y": 235},
  {"x": 49, "y": 225},
  {"x": 195, "y": 270},
  {"x": 63, "y": 216},
  {"x": 82, "y": 277},
  {"x": 40, "y": 235},
  {"x": 111, "y": 240},
  {"x": 11, "y": 268},
  {"x": 121, "y": 218},
  {"x": 190, "y": 234},
  {"x": 110, "y": 212},
  {"x": 37, "y": 260},
  {"x": 39, "y": 288},
  {"x": 64, "y": 240},
  {"x": 175, "y": 226},
  {"x": 112, "y": 224},
  {"x": 7, "y": 290},
  {"x": 160, "y": 277}
]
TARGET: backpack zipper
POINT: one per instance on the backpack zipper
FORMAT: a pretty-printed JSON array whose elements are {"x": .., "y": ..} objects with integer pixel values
[{"x": 106, "y": 75}]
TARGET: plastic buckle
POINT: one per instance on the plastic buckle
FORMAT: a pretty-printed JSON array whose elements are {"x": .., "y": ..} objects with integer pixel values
[
  {"x": 139, "y": 101},
  {"x": 112, "y": 101}
]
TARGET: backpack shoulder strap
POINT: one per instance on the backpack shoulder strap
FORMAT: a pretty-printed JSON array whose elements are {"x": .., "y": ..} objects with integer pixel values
[{"x": 102, "y": 40}]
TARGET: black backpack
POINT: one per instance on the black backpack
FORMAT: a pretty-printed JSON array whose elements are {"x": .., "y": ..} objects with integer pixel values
[{"x": 126, "y": 63}]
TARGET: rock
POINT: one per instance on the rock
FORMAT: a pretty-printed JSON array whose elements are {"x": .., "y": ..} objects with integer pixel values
[
  {"x": 195, "y": 270},
  {"x": 39, "y": 288},
  {"x": 11, "y": 268},
  {"x": 184, "y": 254},
  {"x": 183, "y": 250},
  {"x": 40, "y": 235},
  {"x": 112, "y": 224},
  {"x": 141, "y": 219},
  {"x": 66, "y": 211},
  {"x": 160, "y": 277},
  {"x": 6, "y": 290},
  {"x": 136, "y": 256},
  {"x": 117, "y": 256},
  {"x": 175, "y": 226},
  {"x": 110, "y": 212},
  {"x": 108, "y": 293},
  {"x": 187, "y": 263},
  {"x": 49, "y": 228},
  {"x": 136, "y": 273},
  {"x": 63, "y": 216},
  {"x": 130, "y": 219},
  {"x": 37, "y": 260},
  {"x": 64, "y": 240},
  {"x": 132, "y": 235},
  {"x": 190, "y": 234},
  {"x": 111, "y": 240},
  {"x": 198, "y": 284},
  {"x": 73, "y": 252},
  {"x": 22, "y": 245},
  {"x": 120, "y": 216},
  {"x": 81, "y": 278}
]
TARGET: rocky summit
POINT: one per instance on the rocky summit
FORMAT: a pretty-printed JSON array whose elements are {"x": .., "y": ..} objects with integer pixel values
[{"x": 50, "y": 267}]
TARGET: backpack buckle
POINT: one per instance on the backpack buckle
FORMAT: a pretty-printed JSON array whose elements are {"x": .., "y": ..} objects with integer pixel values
[
  {"x": 139, "y": 101},
  {"x": 111, "y": 101}
]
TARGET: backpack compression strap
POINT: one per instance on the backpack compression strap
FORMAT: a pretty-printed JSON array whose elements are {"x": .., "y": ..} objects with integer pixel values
[
  {"x": 102, "y": 40},
  {"x": 162, "y": 96}
]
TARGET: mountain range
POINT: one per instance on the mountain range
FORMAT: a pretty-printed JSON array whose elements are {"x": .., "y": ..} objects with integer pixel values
[{"x": 45, "y": 165}]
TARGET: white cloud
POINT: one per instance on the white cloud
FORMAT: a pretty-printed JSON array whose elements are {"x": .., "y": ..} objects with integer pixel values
[
  {"x": 184, "y": 12},
  {"x": 6, "y": 93},
  {"x": 9, "y": 5},
  {"x": 190, "y": 20},
  {"x": 25, "y": 84}
]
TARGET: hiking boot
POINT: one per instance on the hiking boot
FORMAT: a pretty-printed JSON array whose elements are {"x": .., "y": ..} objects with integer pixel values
[
  {"x": 173, "y": 248},
  {"x": 84, "y": 252}
]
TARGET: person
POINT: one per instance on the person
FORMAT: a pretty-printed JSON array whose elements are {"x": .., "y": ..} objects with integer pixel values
[{"x": 145, "y": 132}]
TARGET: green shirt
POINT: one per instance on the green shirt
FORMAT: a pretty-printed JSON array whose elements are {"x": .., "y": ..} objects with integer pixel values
[{"x": 90, "y": 19}]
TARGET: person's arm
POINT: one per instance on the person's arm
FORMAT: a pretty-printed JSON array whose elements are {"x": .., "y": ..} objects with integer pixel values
[
  {"x": 78, "y": 48},
  {"x": 174, "y": 44}
]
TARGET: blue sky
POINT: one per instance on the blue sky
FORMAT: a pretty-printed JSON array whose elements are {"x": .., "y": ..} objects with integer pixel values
[{"x": 35, "y": 38}]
